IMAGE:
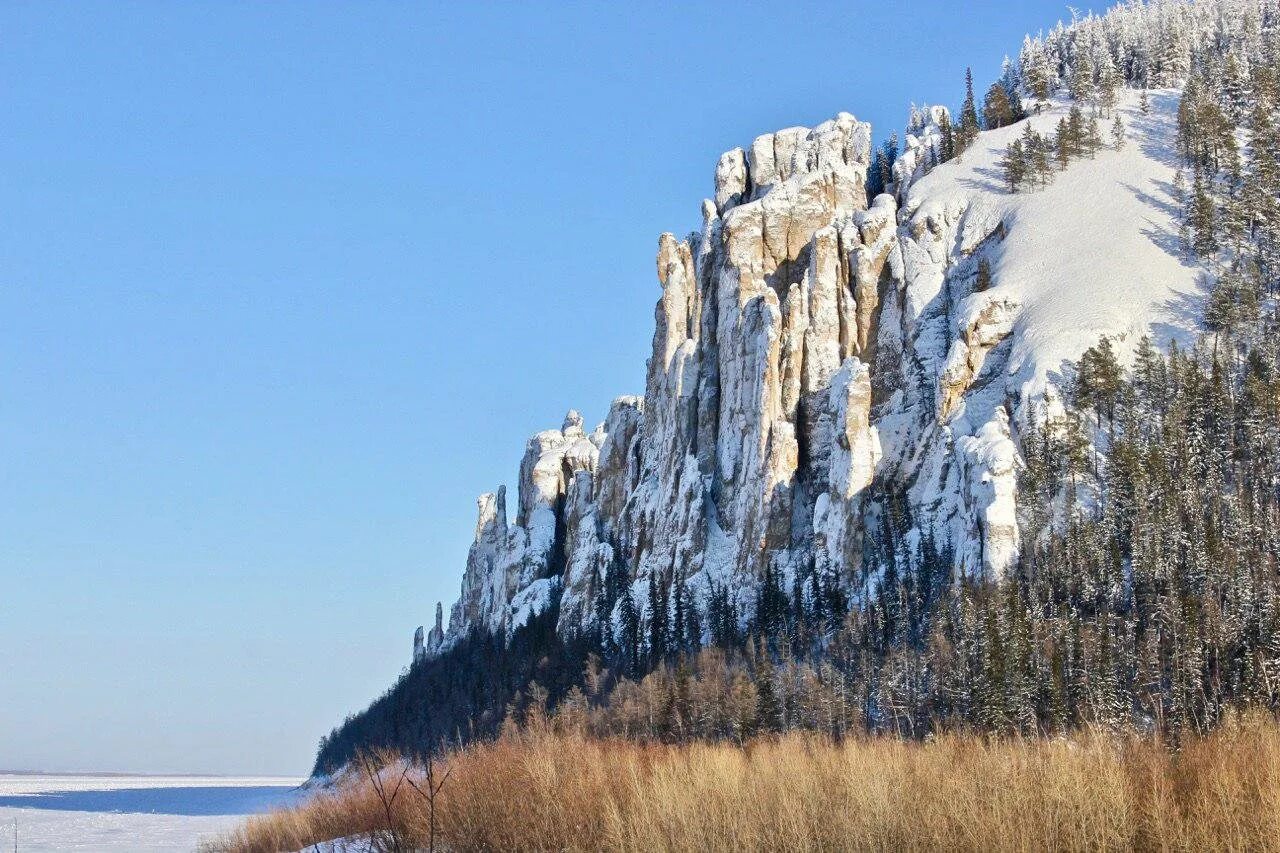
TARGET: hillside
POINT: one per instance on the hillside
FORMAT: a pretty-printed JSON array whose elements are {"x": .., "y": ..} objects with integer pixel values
[
  {"x": 919, "y": 446},
  {"x": 1094, "y": 253}
]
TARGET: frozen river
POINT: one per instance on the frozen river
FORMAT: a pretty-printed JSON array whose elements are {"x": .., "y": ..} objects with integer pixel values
[{"x": 135, "y": 813}]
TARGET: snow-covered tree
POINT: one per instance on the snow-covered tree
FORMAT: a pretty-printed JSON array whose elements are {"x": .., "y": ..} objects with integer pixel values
[
  {"x": 967, "y": 129},
  {"x": 997, "y": 109}
]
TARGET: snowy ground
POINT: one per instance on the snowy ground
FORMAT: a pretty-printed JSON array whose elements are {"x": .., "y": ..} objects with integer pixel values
[
  {"x": 1096, "y": 252},
  {"x": 134, "y": 813}
]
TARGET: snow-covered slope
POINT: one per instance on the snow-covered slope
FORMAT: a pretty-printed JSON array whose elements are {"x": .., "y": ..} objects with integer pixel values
[
  {"x": 815, "y": 354},
  {"x": 1094, "y": 253}
]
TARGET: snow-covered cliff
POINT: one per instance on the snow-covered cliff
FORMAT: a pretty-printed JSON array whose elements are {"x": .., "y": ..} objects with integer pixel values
[{"x": 818, "y": 357}]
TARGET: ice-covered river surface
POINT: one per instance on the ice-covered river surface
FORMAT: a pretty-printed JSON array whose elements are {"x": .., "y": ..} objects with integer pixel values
[{"x": 134, "y": 813}]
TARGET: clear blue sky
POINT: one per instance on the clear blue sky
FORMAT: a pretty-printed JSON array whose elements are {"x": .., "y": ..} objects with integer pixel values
[{"x": 283, "y": 287}]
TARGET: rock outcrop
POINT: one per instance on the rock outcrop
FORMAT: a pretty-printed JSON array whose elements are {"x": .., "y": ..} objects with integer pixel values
[{"x": 812, "y": 354}]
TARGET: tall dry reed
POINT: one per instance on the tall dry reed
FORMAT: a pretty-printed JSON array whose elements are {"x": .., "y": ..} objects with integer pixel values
[{"x": 540, "y": 790}]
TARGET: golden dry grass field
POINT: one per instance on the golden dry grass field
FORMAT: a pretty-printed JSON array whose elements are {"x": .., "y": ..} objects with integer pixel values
[{"x": 546, "y": 790}]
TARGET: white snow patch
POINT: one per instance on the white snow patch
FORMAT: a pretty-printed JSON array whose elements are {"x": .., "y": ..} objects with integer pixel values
[
  {"x": 532, "y": 600},
  {"x": 1094, "y": 253}
]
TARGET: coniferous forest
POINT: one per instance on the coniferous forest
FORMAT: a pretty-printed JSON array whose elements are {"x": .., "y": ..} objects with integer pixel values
[{"x": 1147, "y": 592}]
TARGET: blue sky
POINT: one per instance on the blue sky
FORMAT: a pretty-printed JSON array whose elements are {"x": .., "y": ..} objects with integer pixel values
[{"x": 283, "y": 287}]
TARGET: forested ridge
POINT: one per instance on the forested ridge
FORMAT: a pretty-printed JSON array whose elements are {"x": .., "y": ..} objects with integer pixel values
[{"x": 1146, "y": 595}]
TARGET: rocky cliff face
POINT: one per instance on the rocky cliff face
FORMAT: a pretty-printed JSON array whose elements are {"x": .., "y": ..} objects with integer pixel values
[{"x": 812, "y": 354}]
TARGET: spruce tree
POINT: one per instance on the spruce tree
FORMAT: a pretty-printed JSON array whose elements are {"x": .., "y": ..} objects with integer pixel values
[
  {"x": 629, "y": 633},
  {"x": 1062, "y": 143},
  {"x": 948, "y": 141},
  {"x": 887, "y": 158},
  {"x": 613, "y": 582},
  {"x": 1076, "y": 131},
  {"x": 876, "y": 175},
  {"x": 1035, "y": 70},
  {"x": 1260, "y": 192},
  {"x": 679, "y": 622},
  {"x": 1080, "y": 85},
  {"x": 771, "y": 604},
  {"x": 1035, "y": 156},
  {"x": 657, "y": 612},
  {"x": 1092, "y": 137},
  {"x": 1011, "y": 82},
  {"x": 769, "y": 716},
  {"x": 1108, "y": 81},
  {"x": 1234, "y": 91},
  {"x": 1117, "y": 132},
  {"x": 1040, "y": 160},
  {"x": 1015, "y": 165},
  {"x": 1202, "y": 220},
  {"x": 967, "y": 129}
]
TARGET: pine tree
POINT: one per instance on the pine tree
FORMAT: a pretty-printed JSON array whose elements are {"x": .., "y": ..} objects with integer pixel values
[
  {"x": 889, "y": 155},
  {"x": 679, "y": 625},
  {"x": 1144, "y": 103},
  {"x": 1035, "y": 156},
  {"x": 1011, "y": 82},
  {"x": 967, "y": 130},
  {"x": 1015, "y": 165},
  {"x": 771, "y": 604},
  {"x": 768, "y": 707},
  {"x": 1117, "y": 132},
  {"x": 1108, "y": 81},
  {"x": 1224, "y": 306},
  {"x": 613, "y": 582},
  {"x": 1081, "y": 84},
  {"x": 629, "y": 633},
  {"x": 596, "y": 592},
  {"x": 1076, "y": 131},
  {"x": 876, "y": 175},
  {"x": 1062, "y": 143},
  {"x": 1260, "y": 191},
  {"x": 1040, "y": 160},
  {"x": 948, "y": 142},
  {"x": 1035, "y": 70},
  {"x": 1202, "y": 220},
  {"x": 1171, "y": 62},
  {"x": 657, "y": 612},
  {"x": 1092, "y": 137},
  {"x": 721, "y": 617},
  {"x": 997, "y": 111},
  {"x": 1099, "y": 379},
  {"x": 1234, "y": 90}
]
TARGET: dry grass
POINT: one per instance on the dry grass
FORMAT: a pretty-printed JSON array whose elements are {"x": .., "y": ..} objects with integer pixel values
[{"x": 545, "y": 791}]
